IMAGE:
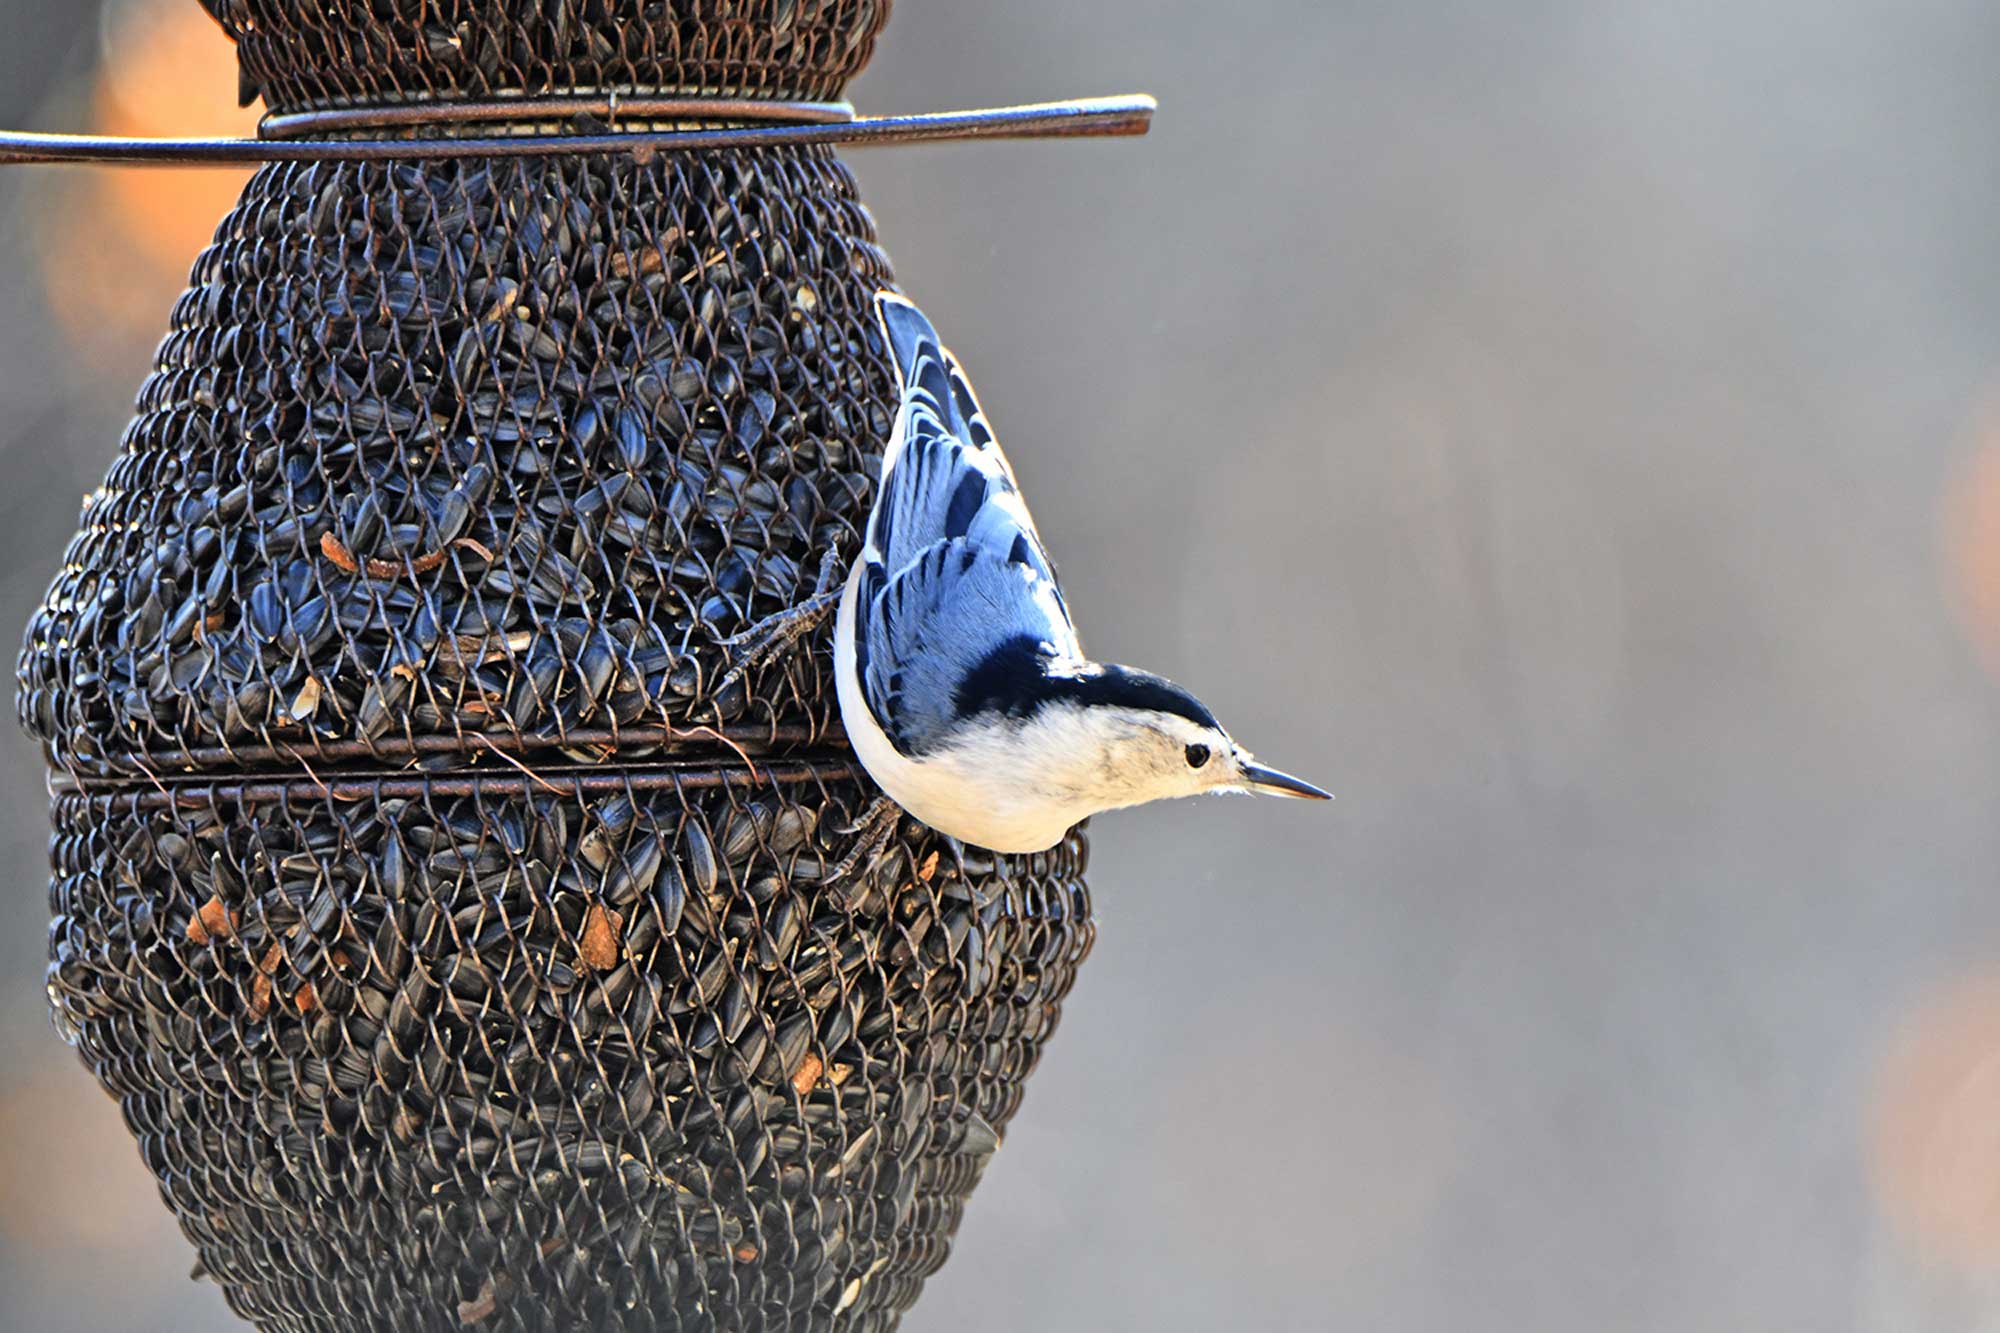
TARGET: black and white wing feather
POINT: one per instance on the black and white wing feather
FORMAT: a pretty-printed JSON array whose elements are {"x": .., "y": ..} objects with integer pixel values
[{"x": 958, "y": 596}]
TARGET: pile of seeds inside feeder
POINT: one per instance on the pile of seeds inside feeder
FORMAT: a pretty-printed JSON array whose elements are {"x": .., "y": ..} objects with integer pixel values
[
  {"x": 621, "y": 1060},
  {"x": 483, "y": 448},
  {"x": 468, "y": 943}
]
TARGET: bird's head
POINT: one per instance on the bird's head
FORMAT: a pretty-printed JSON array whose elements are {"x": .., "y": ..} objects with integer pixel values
[{"x": 1156, "y": 740}]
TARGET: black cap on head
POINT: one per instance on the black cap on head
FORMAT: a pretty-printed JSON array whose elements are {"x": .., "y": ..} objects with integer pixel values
[
  {"x": 1016, "y": 679},
  {"x": 1124, "y": 687}
]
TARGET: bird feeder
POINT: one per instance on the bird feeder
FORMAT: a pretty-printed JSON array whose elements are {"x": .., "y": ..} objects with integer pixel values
[{"x": 466, "y": 942}]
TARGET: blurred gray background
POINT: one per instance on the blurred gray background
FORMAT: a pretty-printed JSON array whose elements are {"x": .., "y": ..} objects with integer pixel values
[{"x": 1567, "y": 430}]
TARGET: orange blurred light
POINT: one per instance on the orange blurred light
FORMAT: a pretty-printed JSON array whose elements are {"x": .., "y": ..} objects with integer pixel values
[
  {"x": 170, "y": 71},
  {"x": 1972, "y": 534},
  {"x": 1937, "y": 1126},
  {"x": 117, "y": 243}
]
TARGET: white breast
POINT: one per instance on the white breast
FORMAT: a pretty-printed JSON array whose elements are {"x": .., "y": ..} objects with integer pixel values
[{"x": 978, "y": 792}]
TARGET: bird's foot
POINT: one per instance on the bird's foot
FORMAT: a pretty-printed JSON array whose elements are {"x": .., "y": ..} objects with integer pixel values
[
  {"x": 876, "y": 826},
  {"x": 776, "y": 633}
]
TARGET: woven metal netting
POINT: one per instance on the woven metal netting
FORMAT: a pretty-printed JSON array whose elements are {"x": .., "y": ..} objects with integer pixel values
[
  {"x": 307, "y": 54},
  {"x": 612, "y": 1055},
  {"x": 467, "y": 942},
  {"x": 476, "y": 456}
]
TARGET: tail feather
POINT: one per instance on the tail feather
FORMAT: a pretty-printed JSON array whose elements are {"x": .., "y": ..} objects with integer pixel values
[
  {"x": 935, "y": 389},
  {"x": 922, "y": 363},
  {"x": 909, "y": 333}
]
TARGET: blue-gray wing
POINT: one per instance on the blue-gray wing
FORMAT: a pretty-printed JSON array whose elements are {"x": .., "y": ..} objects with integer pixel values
[{"x": 953, "y": 571}]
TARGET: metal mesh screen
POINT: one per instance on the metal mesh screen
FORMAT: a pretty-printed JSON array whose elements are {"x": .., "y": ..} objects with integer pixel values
[
  {"x": 305, "y": 54},
  {"x": 477, "y": 450},
  {"x": 465, "y": 946},
  {"x": 611, "y": 1057}
]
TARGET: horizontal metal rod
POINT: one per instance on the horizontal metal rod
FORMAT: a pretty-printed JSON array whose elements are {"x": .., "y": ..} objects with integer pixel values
[
  {"x": 197, "y": 795},
  {"x": 471, "y": 743},
  {"x": 611, "y": 106},
  {"x": 1128, "y": 115}
]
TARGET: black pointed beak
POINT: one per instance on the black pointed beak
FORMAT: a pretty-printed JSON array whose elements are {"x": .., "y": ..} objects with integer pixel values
[{"x": 1271, "y": 782}]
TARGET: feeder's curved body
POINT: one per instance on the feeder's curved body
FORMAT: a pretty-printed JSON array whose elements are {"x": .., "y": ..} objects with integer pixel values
[{"x": 459, "y": 955}]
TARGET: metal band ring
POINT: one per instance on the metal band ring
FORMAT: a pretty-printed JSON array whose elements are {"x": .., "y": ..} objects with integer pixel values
[
  {"x": 197, "y": 793},
  {"x": 610, "y": 107}
]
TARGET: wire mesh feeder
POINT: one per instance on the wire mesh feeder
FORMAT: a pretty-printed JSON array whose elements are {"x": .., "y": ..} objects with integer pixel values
[
  {"x": 467, "y": 942},
  {"x": 488, "y": 450},
  {"x": 301, "y": 53},
  {"x": 607, "y": 1056}
]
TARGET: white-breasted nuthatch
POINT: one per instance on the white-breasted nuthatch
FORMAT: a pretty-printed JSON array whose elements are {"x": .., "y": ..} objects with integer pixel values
[{"x": 963, "y": 687}]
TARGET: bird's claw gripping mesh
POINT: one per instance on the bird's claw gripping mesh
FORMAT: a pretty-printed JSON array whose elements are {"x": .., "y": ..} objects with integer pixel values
[{"x": 467, "y": 939}]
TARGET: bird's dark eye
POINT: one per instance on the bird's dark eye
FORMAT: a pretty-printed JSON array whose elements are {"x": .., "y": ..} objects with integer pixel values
[{"x": 1197, "y": 755}]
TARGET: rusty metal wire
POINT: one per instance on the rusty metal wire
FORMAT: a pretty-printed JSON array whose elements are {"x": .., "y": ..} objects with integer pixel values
[
  {"x": 482, "y": 447},
  {"x": 304, "y": 53},
  {"x": 612, "y": 110},
  {"x": 520, "y": 1060},
  {"x": 435, "y": 139},
  {"x": 462, "y": 951}
]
